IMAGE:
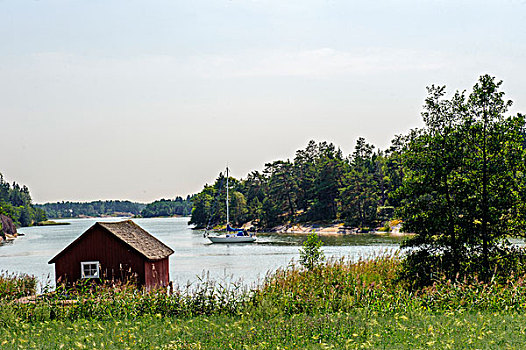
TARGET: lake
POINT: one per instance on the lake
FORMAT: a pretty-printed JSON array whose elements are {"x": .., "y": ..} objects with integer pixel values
[{"x": 194, "y": 255}]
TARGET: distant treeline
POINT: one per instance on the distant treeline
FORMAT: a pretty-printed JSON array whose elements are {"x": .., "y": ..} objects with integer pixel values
[
  {"x": 15, "y": 202},
  {"x": 319, "y": 184},
  {"x": 97, "y": 208},
  {"x": 162, "y": 207},
  {"x": 168, "y": 207}
]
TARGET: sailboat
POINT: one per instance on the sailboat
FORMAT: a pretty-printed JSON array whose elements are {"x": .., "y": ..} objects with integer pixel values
[{"x": 231, "y": 235}]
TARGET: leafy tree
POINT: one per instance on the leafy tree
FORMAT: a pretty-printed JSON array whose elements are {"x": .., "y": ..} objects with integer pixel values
[
  {"x": 203, "y": 204},
  {"x": 25, "y": 218},
  {"x": 167, "y": 207},
  {"x": 432, "y": 193},
  {"x": 311, "y": 255},
  {"x": 463, "y": 183},
  {"x": 495, "y": 166},
  {"x": 15, "y": 202},
  {"x": 238, "y": 208}
]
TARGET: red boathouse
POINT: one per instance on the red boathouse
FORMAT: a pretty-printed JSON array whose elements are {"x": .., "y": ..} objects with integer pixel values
[{"x": 115, "y": 251}]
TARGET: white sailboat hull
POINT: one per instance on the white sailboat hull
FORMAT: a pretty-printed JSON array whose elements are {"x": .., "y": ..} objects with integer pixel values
[
  {"x": 227, "y": 237},
  {"x": 232, "y": 239}
]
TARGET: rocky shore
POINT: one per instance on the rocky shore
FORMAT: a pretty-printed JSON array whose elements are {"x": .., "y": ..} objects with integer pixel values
[
  {"x": 7, "y": 228},
  {"x": 333, "y": 229}
]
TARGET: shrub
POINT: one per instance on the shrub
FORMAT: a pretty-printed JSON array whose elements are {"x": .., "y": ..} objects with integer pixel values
[
  {"x": 423, "y": 267},
  {"x": 311, "y": 254}
]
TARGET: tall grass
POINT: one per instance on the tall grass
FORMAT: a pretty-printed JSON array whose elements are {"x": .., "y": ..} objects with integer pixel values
[
  {"x": 14, "y": 286},
  {"x": 336, "y": 286}
]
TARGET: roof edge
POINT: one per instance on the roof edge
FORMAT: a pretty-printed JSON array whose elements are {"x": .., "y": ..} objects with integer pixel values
[
  {"x": 101, "y": 225},
  {"x": 62, "y": 252},
  {"x": 129, "y": 245}
]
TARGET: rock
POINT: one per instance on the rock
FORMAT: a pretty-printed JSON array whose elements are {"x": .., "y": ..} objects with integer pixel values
[{"x": 8, "y": 227}]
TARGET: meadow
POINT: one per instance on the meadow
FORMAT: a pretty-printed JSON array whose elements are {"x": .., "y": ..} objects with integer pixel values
[{"x": 337, "y": 304}]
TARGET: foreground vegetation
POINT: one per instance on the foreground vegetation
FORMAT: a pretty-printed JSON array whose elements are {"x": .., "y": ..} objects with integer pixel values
[
  {"x": 338, "y": 304},
  {"x": 354, "y": 330}
]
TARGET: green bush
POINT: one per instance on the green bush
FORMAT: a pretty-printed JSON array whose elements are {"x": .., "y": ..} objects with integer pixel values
[
  {"x": 311, "y": 255},
  {"x": 423, "y": 267}
]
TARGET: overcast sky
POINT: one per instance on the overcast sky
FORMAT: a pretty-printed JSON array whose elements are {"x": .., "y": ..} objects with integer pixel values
[{"x": 141, "y": 100}]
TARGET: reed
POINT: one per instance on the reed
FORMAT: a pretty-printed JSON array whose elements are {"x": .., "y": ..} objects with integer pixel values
[{"x": 14, "y": 286}]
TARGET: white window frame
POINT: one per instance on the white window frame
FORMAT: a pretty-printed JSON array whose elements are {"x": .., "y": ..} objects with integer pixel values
[{"x": 85, "y": 263}]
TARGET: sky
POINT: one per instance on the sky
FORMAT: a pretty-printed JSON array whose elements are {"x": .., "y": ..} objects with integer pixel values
[{"x": 143, "y": 100}]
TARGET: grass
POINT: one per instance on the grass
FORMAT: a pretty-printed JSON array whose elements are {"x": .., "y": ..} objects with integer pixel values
[
  {"x": 338, "y": 304},
  {"x": 355, "y": 330}
]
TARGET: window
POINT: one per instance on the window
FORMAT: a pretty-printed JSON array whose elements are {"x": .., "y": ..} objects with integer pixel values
[{"x": 89, "y": 269}]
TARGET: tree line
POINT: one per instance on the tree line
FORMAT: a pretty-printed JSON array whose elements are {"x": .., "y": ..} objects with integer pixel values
[
  {"x": 16, "y": 203},
  {"x": 69, "y": 209},
  {"x": 168, "y": 207},
  {"x": 320, "y": 184},
  {"x": 458, "y": 183},
  {"x": 162, "y": 207}
]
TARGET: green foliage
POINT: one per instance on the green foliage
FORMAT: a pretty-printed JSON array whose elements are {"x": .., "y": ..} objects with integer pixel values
[
  {"x": 168, "y": 207},
  {"x": 463, "y": 186},
  {"x": 203, "y": 205},
  {"x": 15, "y": 202},
  {"x": 357, "y": 329},
  {"x": 97, "y": 208},
  {"x": 332, "y": 287},
  {"x": 316, "y": 186},
  {"x": 422, "y": 267},
  {"x": 360, "y": 194},
  {"x": 311, "y": 255},
  {"x": 340, "y": 303}
]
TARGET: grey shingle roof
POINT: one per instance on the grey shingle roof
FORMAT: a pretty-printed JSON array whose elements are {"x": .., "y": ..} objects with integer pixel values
[
  {"x": 131, "y": 234},
  {"x": 137, "y": 238}
]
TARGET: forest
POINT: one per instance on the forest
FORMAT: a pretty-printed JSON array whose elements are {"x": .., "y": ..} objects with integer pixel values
[
  {"x": 162, "y": 207},
  {"x": 16, "y": 203},
  {"x": 320, "y": 184},
  {"x": 458, "y": 184},
  {"x": 168, "y": 207},
  {"x": 92, "y": 209}
]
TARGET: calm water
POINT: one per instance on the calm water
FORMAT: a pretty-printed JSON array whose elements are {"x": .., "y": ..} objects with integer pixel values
[{"x": 193, "y": 254}]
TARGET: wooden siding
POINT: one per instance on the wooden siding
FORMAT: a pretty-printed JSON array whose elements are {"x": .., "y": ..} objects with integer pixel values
[
  {"x": 117, "y": 260},
  {"x": 156, "y": 273}
]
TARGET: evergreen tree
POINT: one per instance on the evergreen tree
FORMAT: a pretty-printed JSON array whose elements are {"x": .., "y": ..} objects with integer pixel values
[{"x": 359, "y": 192}]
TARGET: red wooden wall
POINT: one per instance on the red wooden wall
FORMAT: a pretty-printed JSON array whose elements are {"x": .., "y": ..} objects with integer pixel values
[
  {"x": 117, "y": 260},
  {"x": 156, "y": 273}
]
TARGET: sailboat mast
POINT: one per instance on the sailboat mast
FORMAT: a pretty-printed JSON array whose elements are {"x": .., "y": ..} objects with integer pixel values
[{"x": 227, "y": 211}]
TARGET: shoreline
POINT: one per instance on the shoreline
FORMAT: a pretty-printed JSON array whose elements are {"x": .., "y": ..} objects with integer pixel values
[{"x": 333, "y": 230}]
